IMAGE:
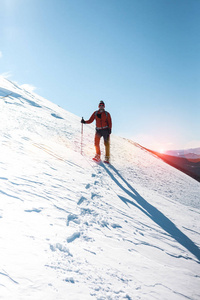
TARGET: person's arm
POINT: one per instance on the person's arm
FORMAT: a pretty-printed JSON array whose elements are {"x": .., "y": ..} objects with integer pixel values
[{"x": 91, "y": 119}]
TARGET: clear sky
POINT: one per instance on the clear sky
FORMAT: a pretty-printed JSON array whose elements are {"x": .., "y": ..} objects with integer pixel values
[{"x": 142, "y": 57}]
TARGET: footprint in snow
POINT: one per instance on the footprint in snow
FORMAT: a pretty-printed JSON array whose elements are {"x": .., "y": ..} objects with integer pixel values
[
  {"x": 81, "y": 200},
  {"x": 74, "y": 218},
  {"x": 33, "y": 210},
  {"x": 114, "y": 225},
  {"x": 73, "y": 237},
  {"x": 70, "y": 279},
  {"x": 61, "y": 248}
]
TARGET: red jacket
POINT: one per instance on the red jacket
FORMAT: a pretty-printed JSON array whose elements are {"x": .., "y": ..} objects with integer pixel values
[{"x": 103, "y": 119}]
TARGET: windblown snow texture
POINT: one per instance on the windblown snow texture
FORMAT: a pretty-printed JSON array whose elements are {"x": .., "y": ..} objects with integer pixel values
[{"x": 72, "y": 229}]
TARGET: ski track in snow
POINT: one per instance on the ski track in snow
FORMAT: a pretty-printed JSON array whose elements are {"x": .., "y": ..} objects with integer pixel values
[{"x": 74, "y": 229}]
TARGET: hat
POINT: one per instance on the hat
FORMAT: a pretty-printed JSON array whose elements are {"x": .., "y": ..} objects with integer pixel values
[{"x": 101, "y": 103}]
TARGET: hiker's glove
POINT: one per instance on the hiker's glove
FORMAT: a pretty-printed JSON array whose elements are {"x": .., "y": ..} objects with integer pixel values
[
  {"x": 83, "y": 121},
  {"x": 109, "y": 130}
]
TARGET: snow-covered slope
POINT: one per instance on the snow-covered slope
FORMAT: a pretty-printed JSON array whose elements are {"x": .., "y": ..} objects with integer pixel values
[{"x": 71, "y": 229}]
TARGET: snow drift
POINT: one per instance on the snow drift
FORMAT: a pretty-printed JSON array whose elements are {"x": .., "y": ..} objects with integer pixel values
[{"x": 72, "y": 229}]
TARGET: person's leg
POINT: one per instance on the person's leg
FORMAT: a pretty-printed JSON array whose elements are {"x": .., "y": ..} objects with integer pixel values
[
  {"x": 106, "y": 137},
  {"x": 97, "y": 144}
]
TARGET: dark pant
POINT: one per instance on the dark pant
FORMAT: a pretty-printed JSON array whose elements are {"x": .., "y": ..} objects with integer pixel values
[{"x": 106, "y": 136}]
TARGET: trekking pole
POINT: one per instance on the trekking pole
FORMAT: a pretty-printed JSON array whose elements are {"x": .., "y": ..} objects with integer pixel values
[{"x": 82, "y": 138}]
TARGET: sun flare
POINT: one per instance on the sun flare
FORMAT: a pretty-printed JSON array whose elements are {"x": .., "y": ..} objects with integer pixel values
[{"x": 161, "y": 151}]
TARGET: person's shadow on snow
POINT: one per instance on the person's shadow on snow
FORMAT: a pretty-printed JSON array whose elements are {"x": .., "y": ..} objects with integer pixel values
[{"x": 153, "y": 213}]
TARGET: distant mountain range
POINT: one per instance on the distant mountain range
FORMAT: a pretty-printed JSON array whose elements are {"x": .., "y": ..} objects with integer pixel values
[{"x": 188, "y": 153}]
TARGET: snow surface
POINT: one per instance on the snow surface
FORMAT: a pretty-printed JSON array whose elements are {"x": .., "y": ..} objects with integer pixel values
[{"x": 72, "y": 229}]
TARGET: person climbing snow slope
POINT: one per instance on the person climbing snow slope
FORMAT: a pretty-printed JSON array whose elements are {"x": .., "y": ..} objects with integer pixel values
[{"x": 103, "y": 129}]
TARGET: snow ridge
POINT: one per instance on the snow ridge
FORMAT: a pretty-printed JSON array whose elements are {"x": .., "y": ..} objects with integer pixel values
[{"x": 72, "y": 229}]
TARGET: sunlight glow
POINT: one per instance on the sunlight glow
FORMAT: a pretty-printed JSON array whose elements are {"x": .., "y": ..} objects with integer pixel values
[{"x": 161, "y": 151}]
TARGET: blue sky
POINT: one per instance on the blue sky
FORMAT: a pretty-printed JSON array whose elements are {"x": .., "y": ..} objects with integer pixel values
[{"x": 142, "y": 57}]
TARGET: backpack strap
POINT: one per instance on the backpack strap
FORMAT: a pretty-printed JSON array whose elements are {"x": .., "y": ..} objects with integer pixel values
[{"x": 96, "y": 112}]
